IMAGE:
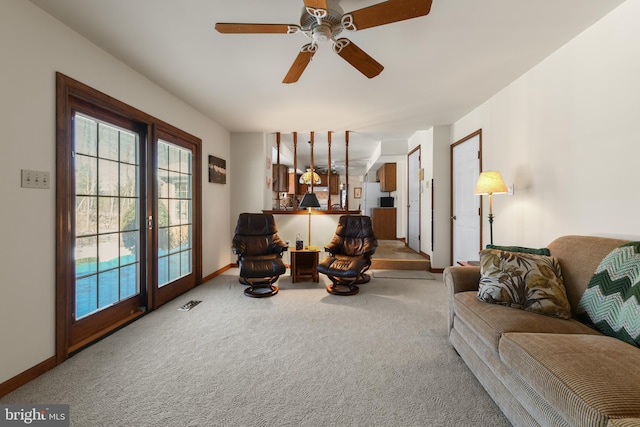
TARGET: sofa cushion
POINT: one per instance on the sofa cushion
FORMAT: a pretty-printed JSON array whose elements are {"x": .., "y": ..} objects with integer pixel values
[
  {"x": 612, "y": 299},
  {"x": 624, "y": 422},
  {"x": 526, "y": 281},
  {"x": 490, "y": 321},
  {"x": 579, "y": 257},
  {"x": 588, "y": 379},
  {"x": 521, "y": 249}
]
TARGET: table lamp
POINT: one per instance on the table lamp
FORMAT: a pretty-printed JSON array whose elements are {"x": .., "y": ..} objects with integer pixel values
[{"x": 309, "y": 200}]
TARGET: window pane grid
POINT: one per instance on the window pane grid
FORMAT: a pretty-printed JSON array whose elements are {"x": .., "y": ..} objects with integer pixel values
[
  {"x": 107, "y": 215},
  {"x": 174, "y": 210}
]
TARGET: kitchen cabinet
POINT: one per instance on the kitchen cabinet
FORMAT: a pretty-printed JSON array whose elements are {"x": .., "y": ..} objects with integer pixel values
[
  {"x": 386, "y": 176},
  {"x": 294, "y": 185},
  {"x": 280, "y": 178},
  {"x": 384, "y": 223},
  {"x": 334, "y": 184}
]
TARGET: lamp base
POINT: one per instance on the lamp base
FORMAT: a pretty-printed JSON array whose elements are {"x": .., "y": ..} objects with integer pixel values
[{"x": 491, "y": 228}]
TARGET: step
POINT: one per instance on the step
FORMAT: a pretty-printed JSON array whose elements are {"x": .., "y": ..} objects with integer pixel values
[{"x": 400, "y": 264}]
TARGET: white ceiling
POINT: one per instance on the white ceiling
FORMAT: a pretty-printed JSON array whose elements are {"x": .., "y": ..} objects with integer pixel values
[{"x": 437, "y": 67}]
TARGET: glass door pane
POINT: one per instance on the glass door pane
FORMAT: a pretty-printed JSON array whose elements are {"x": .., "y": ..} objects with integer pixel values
[
  {"x": 107, "y": 238},
  {"x": 175, "y": 207}
]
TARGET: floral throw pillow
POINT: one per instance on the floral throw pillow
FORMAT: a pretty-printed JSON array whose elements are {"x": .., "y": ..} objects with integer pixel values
[{"x": 525, "y": 281}]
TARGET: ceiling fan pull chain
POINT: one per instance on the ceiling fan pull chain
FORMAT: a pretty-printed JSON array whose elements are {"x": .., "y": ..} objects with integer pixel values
[
  {"x": 347, "y": 22},
  {"x": 340, "y": 44}
]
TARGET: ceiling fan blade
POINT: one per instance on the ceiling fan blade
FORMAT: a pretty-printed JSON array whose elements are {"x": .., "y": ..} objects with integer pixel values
[
  {"x": 316, "y": 4},
  {"x": 357, "y": 57},
  {"x": 227, "y": 28},
  {"x": 388, "y": 12},
  {"x": 301, "y": 62}
]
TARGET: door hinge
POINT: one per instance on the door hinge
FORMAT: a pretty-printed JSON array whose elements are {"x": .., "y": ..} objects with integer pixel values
[{"x": 150, "y": 223}]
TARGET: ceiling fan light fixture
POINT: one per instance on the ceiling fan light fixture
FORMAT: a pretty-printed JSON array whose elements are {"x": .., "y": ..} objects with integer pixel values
[{"x": 322, "y": 33}]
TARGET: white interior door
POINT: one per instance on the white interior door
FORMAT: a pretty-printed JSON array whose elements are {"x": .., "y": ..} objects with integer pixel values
[
  {"x": 413, "y": 188},
  {"x": 465, "y": 205}
]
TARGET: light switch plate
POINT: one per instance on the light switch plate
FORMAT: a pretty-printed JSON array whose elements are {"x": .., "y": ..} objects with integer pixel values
[{"x": 35, "y": 179}]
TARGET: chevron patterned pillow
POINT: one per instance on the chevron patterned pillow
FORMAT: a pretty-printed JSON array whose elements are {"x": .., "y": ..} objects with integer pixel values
[{"x": 612, "y": 299}]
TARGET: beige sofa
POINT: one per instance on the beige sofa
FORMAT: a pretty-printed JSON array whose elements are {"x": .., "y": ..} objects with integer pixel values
[{"x": 540, "y": 370}]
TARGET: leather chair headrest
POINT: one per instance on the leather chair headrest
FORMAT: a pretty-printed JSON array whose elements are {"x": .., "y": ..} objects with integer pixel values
[
  {"x": 354, "y": 226},
  {"x": 256, "y": 224}
]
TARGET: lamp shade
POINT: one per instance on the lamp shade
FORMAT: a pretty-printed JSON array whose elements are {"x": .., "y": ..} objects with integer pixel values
[
  {"x": 490, "y": 182},
  {"x": 308, "y": 176},
  {"x": 310, "y": 200}
]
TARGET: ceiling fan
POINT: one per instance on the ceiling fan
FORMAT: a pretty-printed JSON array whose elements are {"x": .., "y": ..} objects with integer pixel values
[{"x": 324, "y": 21}]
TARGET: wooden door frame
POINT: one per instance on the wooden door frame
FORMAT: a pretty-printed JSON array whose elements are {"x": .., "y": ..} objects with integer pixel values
[
  {"x": 418, "y": 148},
  {"x": 451, "y": 189},
  {"x": 68, "y": 89}
]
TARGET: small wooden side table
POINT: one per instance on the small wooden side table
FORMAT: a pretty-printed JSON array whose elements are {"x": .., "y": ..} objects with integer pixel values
[{"x": 304, "y": 263}]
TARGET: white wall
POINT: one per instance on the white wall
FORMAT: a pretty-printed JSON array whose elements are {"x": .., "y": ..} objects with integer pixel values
[
  {"x": 424, "y": 140},
  {"x": 33, "y": 46},
  {"x": 323, "y": 228},
  {"x": 249, "y": 192},
  {"x": 566, "y": 134},
  {"x": 442, "y": 191}
]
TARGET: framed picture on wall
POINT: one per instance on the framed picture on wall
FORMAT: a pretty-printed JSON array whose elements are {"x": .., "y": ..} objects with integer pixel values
[
  {"x": 217, "y": 170},
  {"x": 357, "y": 192}
]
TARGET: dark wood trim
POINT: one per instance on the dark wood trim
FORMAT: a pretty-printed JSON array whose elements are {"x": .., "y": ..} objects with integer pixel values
[
  {"x": 313, "y": 212},
  {"x": 346, "y": 169},
  {"x": 28, "y": 375},
  {"x": 80, "y": 329},
  {"x": 111, "y": 327},
  {"x": 451, "y": 171},
  {"x": 219, "y": 272},
  {"x": 63, "y": 222},
  {"x": 329, "y": 168}
]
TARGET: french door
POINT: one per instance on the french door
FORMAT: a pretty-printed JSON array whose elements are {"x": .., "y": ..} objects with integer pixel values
[
  {"x": 128, "y": 221},
  {"x": 109, "y": 250},
  {"x": 174, "y": 221}
]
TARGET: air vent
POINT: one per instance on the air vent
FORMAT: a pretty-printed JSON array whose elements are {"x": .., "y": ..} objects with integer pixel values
[{"x": 188, "y": 306}]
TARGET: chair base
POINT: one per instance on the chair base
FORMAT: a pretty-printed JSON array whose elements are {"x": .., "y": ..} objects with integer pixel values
[
  {"x": 346, "y": 286},
  {"x": 343, "y": 290},
  {"x": 260, "y": 289},
  {"x": 261, "y": 292}
]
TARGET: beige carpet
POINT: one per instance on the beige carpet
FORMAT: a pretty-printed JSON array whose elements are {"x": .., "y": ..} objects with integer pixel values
[
  {"x": 402, "y": 274},
  {"x": 301, "y": 358}
]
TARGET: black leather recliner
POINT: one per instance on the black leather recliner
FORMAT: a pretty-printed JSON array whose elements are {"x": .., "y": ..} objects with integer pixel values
[
  {"x": 349, "y": 256},
  {"x": 259, "y": 250}
]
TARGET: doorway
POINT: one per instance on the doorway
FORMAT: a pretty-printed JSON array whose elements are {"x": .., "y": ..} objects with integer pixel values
[
  {"x": 127, "y": 215},
  {"x": 466, "y": 224},
  {"x": 413, "y": 189}
]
